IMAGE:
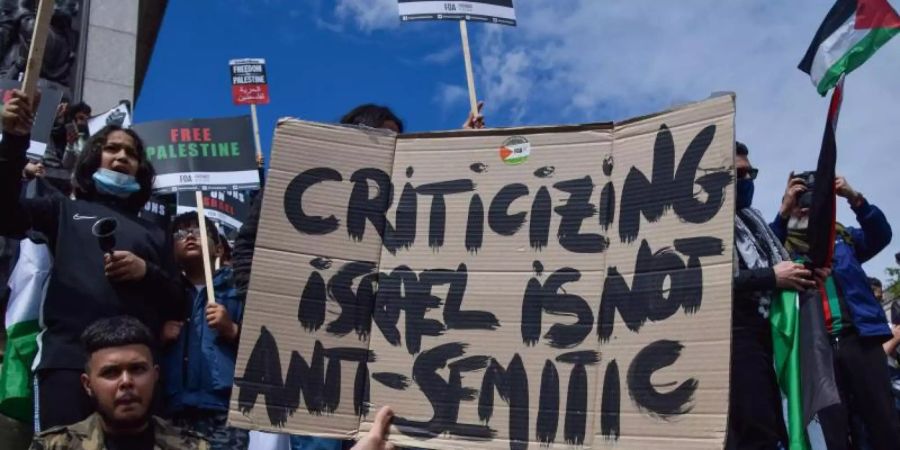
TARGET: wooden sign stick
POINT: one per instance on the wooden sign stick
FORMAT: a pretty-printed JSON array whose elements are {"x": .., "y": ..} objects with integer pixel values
[
  {"x": 470, "y": 77},
  {"x": 259, "y": 159},
  {"x": 38, "y": 44},
  {"x": 204, "y": 244}
]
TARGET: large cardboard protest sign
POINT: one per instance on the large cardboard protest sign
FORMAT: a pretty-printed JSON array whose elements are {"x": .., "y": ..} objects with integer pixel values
[
  {"x": 43, "y": 119},
  {"x": 201, "y": 154},
  {"x": 495, "y": 11},
  {"x": 550, "y": 287}
]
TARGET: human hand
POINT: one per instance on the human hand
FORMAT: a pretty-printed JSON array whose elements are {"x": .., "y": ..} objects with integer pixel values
[
  {"x": 61, "y": 110},
  {"x": 378, "y": 435},
  {"x": 895, "y": 330},
  {"x": 170, "y": 331},
  {"x": 821, "y": 274},
  {"x": 795, "y": 188},
  {"x": 33, "y": 169},
  {"x": 217, "y": 318},
  {"x": 475, "y": 121},
  {"x": 18, "y": 114},
  {"x": 71, "y": 134},
  {"x": 124, "y": 266},
  {"x": 790, "y": 275},
  {"x": 843, "y": 189}
]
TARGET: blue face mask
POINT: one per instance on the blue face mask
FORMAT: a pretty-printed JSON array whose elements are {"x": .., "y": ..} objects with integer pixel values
[
  {"x": 114, "y": 183},
  {"x": 744, "y": 191}
]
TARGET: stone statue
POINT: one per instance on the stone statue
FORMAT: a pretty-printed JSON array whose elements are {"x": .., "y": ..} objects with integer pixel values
[{"x": 16, "y": 26}]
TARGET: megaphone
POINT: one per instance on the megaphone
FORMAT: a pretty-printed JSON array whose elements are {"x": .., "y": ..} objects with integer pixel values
[{"x": 105, "y": 232}]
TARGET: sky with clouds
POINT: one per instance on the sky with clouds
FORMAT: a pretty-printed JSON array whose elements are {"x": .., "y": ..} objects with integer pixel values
[{"x": 567, "y": 61}]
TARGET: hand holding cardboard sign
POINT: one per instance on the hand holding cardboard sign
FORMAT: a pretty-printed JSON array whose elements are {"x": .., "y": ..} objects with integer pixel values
[{"x": 377, "y": 437}]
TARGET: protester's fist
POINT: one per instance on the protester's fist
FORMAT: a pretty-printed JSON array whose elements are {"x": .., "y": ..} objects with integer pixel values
[
  {"x": 33, "y": 169},
  {"x": 124, "y": 266},
  {"x": 217, "y": 317},
  {"x": 475, "y": 121},
  {"x": 170, "y": 331},
  {"x": 18, "y": 114},
  {"x": 795, "y": 187},
  {"x": 378, "y": 435},
  {"x": 790, "y": 275}
]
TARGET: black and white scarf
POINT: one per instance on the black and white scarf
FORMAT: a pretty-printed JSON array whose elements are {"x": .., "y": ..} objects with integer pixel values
[{"x": 758, "y": 248}]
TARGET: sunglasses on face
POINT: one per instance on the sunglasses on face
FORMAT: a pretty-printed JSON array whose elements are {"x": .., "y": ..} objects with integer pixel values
[
  {"x": 750, "y": 173},
  {"x": 183, "y": 233}
]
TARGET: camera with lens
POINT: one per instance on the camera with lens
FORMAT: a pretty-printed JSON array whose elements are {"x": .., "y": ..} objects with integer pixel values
[{"x": 809, "y": 179}]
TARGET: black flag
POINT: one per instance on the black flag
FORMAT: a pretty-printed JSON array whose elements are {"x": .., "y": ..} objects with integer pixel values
[{"x": 820, "y": 233}]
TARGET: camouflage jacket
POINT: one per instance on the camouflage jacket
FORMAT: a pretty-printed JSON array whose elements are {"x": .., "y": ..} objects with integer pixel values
[{"x": 88, "y": 435}]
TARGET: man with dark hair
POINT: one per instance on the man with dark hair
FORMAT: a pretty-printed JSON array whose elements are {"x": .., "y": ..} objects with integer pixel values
[
  {"x": 755, "y": 418},
  {"x": 119, "y": 377},
  {"x": 198, "y": 365},
  {"x": 853, "y": 317},
  {"x": 137, "y": 276},
  {"x": 373, "y": 116}
]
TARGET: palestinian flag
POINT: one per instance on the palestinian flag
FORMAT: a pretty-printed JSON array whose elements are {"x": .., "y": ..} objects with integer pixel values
[
  {"x": 515, "y": 150},
  {"x": 28, "y": 284},
  {"x": 852, "y": 31}
]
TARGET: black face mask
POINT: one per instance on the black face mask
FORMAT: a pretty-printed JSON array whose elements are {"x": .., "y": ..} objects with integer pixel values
[{"x": 744, "y": 192}]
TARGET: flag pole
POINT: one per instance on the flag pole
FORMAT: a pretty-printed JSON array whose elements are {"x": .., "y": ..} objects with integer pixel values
[
  {"x": 470, "y": 78},
  {"x": 38, "y": 45},
  {"x": 204, "y": 245},
  {"x": 259, "y": 160}
]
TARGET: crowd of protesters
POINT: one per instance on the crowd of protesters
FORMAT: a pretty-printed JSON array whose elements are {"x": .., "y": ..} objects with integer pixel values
[
  {"x": 128, "y": 333},
  {"x": 849, "y": 328},
  {"x": 127, "y": 330}
]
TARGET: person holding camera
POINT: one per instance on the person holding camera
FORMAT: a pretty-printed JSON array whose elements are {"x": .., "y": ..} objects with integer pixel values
[
  {"x": 137, "y": 276},
  {"x": 853, "y": 316}
]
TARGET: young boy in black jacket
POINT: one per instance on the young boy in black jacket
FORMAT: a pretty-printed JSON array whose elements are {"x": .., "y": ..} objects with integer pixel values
[{"x": 137, "y": 277}]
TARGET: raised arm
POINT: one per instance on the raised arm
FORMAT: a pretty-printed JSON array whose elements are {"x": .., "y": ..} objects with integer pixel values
[{"x": 19, "y": 214}]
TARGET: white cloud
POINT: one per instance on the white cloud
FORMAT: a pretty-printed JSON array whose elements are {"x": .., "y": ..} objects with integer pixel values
[
  {"x": 444, "y": 56},
  {"x": 449, "y": 95},
  {"x": 325, "y": 25},
  {"x": 369, "y": 15},
  {"x": 587, "y": 61}
]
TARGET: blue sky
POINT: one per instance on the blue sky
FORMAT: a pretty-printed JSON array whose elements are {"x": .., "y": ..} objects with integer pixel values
[
  {"x": 568, "y": 61},
  {"x": 315, "y": 71}
]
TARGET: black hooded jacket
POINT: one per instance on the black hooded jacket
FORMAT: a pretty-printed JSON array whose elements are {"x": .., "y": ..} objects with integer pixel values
[{"x": 79, "y": 292}]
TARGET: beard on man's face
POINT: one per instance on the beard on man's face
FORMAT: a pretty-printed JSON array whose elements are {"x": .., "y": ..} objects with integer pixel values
[{"x": 129, "y": 422}]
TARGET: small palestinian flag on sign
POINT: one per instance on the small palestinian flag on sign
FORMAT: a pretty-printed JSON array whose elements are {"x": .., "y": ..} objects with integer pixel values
[
  {"x": 851, "y": 33},
  {"x": 515, "y": 150}
]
